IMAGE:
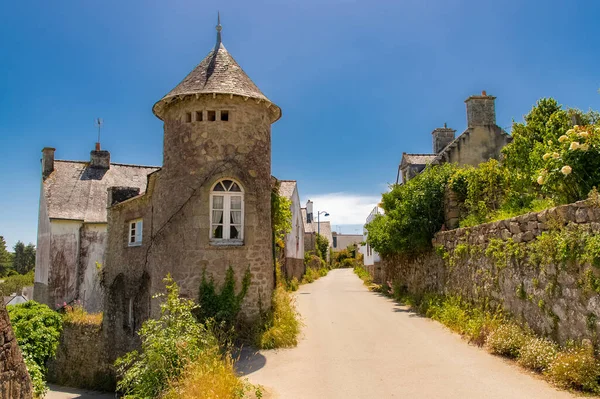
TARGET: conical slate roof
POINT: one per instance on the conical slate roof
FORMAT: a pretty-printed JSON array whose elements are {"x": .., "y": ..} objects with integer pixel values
[{"x": 218, "y": 73}]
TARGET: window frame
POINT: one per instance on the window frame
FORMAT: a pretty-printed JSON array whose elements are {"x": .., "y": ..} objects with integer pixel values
[
  {"x": 135, "y": 226},
  {"x": 226, "y": 225}
]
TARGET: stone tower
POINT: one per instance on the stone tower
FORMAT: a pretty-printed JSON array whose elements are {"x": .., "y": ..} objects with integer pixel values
[{"x": 208, "y": 208}]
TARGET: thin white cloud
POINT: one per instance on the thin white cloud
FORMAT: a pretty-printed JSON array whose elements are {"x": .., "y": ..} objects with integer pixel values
[{"x": 343, "y": 208}]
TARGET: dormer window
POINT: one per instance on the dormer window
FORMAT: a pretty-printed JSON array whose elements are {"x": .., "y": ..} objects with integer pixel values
[
  {"x": 227, "y": 213},
  {"x": 211, "y": 116},
  {"x": 225, "y": 116},
  {"x": 135, "y": 232},
  {"x": 199, "y": 116}
]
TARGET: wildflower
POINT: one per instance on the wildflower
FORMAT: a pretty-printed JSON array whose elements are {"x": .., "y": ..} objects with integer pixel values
[
  {"x": 574, "y": 145},
  {"x": 584, "y": 147},
  {"x": 546, "y": 156},
  {"x": 576, "y": 127},
  {"x": 555, "y": 155},
  {"x": 540, "y": 180},
  {"x": 583, "y": 134},
  {"x": 563, "y": 138},
  {"x": 570, "y": 131},
  {"x": 550, "y": 142},
  {"x": 566, "y": 170}
]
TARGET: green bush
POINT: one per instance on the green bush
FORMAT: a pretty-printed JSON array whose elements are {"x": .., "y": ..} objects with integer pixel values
[
  {"x": 37, "y": 329},
  {"x": 15, "y": 283},
  {"x": 293, "y": 284},
  {"x": 537, "y": 353},
  {"x": 323, "y": 272},
  {"x": 576, "y": 367},
  {"x": 363, "y": 273},
  {"x": 168, "y": 345},
  {"x": 310, "y": 275},
  {"x": 222, "y": 307},
  {"x": 322, "y": 245},
  {"x": 283, "y": 324},
  {"x": 414, "y": 212},
  {"x": 507, "y": 340}
]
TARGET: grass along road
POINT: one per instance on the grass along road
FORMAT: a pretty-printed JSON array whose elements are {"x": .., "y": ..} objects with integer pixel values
[{"x": 359, "y": 344}]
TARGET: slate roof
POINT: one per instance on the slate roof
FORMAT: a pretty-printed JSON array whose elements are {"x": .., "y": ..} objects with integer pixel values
[
  {"x": 76, "y": 191},
  {"x": 286, "y": 189},
  {"x": 417, "y": 159},
  {"x": 217, "y": 73}
]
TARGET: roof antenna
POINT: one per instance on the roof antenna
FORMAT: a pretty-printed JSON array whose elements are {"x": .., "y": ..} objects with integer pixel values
[
  {"x": 98, "y": 123},
  {"x": 219, "y": 28}
]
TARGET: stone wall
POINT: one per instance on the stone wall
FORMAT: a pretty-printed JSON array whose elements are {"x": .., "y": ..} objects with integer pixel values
[
  {"x": 81, "y": 359},
  {"x": 552, "y": 298},
  {"x": 14, "y": 379}
]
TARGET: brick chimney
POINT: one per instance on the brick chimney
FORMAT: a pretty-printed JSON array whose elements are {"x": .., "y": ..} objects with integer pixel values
[
  {"x": 100, "y": 159},
  {"x": 442, "y": 136},
  {"x": 47, "y": 161},
  {"x": 481, "y": 110}
]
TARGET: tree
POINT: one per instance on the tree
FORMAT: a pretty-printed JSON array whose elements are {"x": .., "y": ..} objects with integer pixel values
[
  {"x": 322, "y": 246},
  {"x": 24, "y": 258},
  {"x": 5, "y": 258}
]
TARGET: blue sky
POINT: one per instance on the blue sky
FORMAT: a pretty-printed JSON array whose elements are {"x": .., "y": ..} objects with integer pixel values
[{"x": 358, "y": 82}]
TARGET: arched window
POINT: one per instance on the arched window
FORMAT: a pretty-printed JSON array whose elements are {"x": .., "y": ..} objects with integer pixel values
[{"x": 227, "y": 211}]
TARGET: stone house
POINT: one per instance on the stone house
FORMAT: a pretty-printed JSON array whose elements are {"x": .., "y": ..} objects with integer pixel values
[
  {"x": 72, "y": 225},
  {"x": 342, "y": 241},
  {"x": 371, "y": 259},
  {"x": 312, "y": 227},
  {"x": 206, "y": 209},
  {"x": 481, "y": 141},
  {"x": 293, "y": 263}
]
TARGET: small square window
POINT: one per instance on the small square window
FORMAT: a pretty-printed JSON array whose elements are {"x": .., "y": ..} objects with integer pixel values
[
  {"x": 188, "y": 117},
  {"x": 135, "y": 232},
  {"x": 199, "y": 116},
  {"x": 225, "y": 116},
  {"x": 211, "y": 116}
]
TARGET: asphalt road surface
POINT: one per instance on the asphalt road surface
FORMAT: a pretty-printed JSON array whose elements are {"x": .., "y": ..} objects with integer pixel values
[{"x": 359, "y": 344}]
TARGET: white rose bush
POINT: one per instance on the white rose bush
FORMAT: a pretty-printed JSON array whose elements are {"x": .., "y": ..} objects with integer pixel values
[{"x": 571, "y": 165}]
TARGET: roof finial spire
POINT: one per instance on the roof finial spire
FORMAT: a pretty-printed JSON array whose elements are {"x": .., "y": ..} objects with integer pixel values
[{"x": 219, "y": 28}]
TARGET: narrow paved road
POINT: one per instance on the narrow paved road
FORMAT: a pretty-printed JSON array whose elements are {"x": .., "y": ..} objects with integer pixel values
[{"x": 358, "y": 344}]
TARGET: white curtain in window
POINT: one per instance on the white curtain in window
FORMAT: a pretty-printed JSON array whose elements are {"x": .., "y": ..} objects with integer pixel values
[
  {"x": 236, "y": 215},
  {"x": 217, "y": 213}
]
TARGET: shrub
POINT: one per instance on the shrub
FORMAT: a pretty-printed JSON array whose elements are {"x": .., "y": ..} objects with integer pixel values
[
  {"x": 15, "y": 283},
  {"x": 363, "y": 274},
  {"x": 576, "y": 367},
  {"x": 37, "y": 329},
  {"x": 507, "y": 340},
  {"x": 537, "y": 353},
  {"x": 310, "y": 275},
  {"x": 168, "y": 345},
  {"x": 322, "y": 245},
  {"x": 414, "y": 212},
  {"x": 323, "y": 272},
  {"x": 283, "y": 325},
  {"x": 481, "y": 324},
  {"x": 212, "y": 377},
  {"x": 348, "y": 263},
  {"x": 78, "y": 315},
  {"x": 224, "y": 307},
  {"x": 293, "y": 284},
  {"x": 450, "y": 312}
]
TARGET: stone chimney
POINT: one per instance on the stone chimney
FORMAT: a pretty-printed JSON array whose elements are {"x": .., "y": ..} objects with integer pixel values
[
  {"x": 481, "y": 110},
  {"x": 100, "y": 159},
  {"x": 47, "y": 161},
  {"x": 442, "y": 136},
  {"x": 309, "y": 211}
]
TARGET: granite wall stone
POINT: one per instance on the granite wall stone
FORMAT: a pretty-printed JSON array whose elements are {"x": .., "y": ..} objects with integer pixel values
[
  {"x": 14, "y": 378},
  {"x": 551, "y": 298}
]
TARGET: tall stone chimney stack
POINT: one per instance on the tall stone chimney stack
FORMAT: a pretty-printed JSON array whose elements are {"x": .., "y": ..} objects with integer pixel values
[
  {"x": 442, "y": 136},
  {"x": 481, "y": 110},
  {"x": 47, "y": 161},
  {"x": 99, "y": 159}
]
